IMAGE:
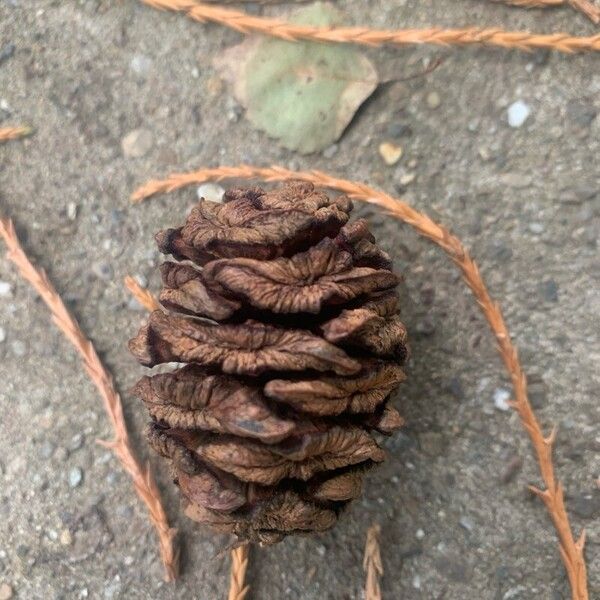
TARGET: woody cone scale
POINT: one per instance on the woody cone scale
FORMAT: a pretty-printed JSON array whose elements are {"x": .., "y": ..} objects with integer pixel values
[{"x": 284, "y": 321}]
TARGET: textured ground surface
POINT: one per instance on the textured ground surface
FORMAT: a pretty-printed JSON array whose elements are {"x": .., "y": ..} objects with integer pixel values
[{"x": 457, "y": 519}]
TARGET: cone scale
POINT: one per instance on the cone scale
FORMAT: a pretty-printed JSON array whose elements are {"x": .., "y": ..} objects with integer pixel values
[{"x": 284, "y": 317}]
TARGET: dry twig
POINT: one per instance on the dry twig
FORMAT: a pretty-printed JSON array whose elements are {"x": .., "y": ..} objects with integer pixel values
[
  {"x": 143, "y": 481},
  {"x": 144, "y": 297},
  {"x": 238, "y": 589},
  {"x": 584, "y": 6},
  {"x": 571, "y": 550},
  {"x": 489, "y": 36},
  {"x": 372, "y": 564},
  {"x": 14, "y": 133}
]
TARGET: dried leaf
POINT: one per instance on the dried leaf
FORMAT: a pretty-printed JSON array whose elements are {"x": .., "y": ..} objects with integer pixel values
[
  {"x": 192, "y": 398},
  {"x": 303, "y": 93},
  {"x": 334, "y": 395},
  {"x": 250, "y": 348}
]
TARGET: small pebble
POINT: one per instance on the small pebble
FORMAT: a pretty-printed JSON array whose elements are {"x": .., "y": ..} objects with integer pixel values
[
  {"x": 2, "y": 334},
  {"x": 140, "y": 65},
  {"x": 6, "y": 592},
  {"x": 390, "y": 153},
  {"x": 516, "y": 180},
  {"x": 408, "y": 178},
  {"x": 66, "y": 539},
  {"x": 5, "y": 289},
  {"x": 102, "y": 270},
  {"x": 536, "y": 228},
  {"x": 211, "y": 192},
  {"x": 420, "y": 534},
  {"x": 46, "y": 450},
  {"x": 75, "y": 477},
  {"x": 137, "y": 143},
  {"x": 397, "y": 130},
  {"x": 549, "y": 290},
  {"x": 466, "y": 523},
  {"x": 416, "y": 582},
  {"x": 330, "y": 151},
  {"x": 518, "y": 112},
  {"x": 52, "y": 535},
  {"x": 19, "y": 348},
  {"x": 76, "y": 442},
  {"x": 71, "y": 211},
  {"x": 501, "y": 398},
  {"x": 7, "y": 51},
  {"x": 433, "y": 100}
]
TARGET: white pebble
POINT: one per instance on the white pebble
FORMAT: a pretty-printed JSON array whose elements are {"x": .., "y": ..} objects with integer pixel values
[
  {"x": 141, "y": 65},
  {"x": 71, "y": 211},
  {"x": 2, "y": 334},
  {"x": 416, "y": 582},
  {"x": 501, "y": 398},
  {"x": 420, "y": 534},
  {"x": 211, "y": 192},
  {"x": 517, "y": 113},
  {"x": 5, "y": 289},
  {"x": 536, "y": 228},
  {"x": 75, "y": 477}
]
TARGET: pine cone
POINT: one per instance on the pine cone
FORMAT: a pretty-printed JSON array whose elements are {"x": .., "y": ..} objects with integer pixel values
[{"x": 288, "y": 318}]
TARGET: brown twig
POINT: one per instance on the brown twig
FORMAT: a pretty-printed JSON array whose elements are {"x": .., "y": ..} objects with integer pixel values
[
  {"x": 584, "y": 6},
  {"x": 144, "y": 297},
  {"x": 14, "y": 133},
  {"x": 143, "y": 481},
  {"x": 571, "y": 550},
  {"x": 489, "y": 36},
  {"x": 372, "y": 564},
  {"x": 238, "y": 589}
]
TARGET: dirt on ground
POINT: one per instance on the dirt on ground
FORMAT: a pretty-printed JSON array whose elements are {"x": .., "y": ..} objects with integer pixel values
[{"x": 457, "y": 518}]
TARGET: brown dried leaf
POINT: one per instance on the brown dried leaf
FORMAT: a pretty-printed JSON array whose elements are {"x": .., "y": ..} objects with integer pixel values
[
  {"x": 334, "y": 395},
  {"x": 373, "y": 326},
  {"x": 250, "y": 348},
  {"x": 306, "y": 282},
  {"x": 296, "y": 459},
  {"x": 257, "y": 224},
  {"x": 191, "y": 398},
  {"x": 185, "y": 290}
]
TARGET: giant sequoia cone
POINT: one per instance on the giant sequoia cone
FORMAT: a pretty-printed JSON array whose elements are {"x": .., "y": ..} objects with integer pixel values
[{"x": 287, "y": 317}]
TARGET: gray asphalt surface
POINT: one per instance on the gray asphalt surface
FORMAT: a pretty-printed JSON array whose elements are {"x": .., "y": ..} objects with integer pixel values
[{"x": 458, "y": 521}]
